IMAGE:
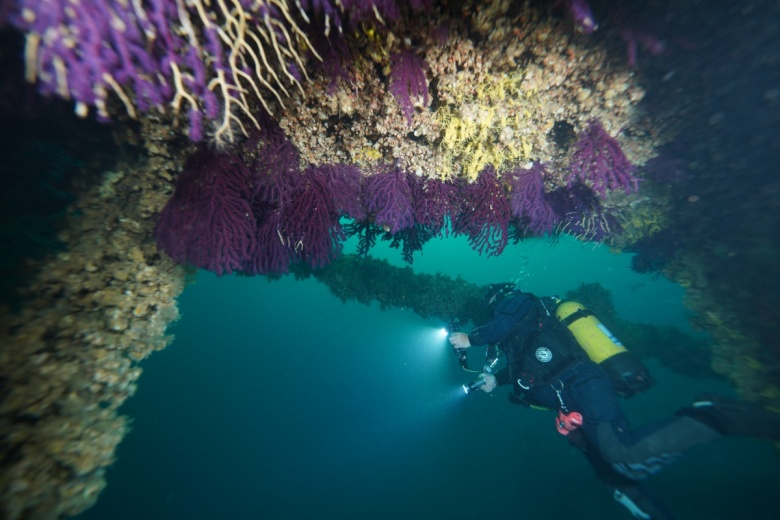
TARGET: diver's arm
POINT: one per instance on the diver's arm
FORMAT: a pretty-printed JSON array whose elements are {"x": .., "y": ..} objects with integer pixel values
[
  {"x": 460, "y": 340},
  {"x": 508, "y": 313},
  {"x": 492, "y": 331}
]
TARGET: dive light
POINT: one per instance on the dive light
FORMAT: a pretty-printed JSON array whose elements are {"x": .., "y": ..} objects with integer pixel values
[
  {"x": 474, "y": 385},
  {"x": 460, "y": 353},
  {"x": 463, "y": 359}
]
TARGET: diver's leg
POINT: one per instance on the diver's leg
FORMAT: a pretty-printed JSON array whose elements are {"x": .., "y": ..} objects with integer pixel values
[
  {"x": 635, "y": 453},
  {"x": 626, "y": 492},
  {"x": 639, "y": 456},
  {"x": 733, "y": 417}
]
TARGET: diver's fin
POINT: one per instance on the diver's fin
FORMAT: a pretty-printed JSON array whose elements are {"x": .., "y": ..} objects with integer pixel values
[
  {"x": 639, "y": 504},
  {"x": 734, "y": 417}
]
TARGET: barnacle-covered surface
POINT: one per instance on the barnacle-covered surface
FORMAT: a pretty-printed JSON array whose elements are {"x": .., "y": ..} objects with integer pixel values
[
  {"x": 501, "y": 75},
  {"x": 717, "y": 211},
  {"x": 70, "y": 357}
]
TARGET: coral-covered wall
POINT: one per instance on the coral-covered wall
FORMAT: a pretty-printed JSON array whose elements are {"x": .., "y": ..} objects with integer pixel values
[{"x": 70, "y": 356}]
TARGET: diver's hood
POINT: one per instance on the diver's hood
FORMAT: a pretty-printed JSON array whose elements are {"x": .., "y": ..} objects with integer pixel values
[{"x": 498, "y": 291}]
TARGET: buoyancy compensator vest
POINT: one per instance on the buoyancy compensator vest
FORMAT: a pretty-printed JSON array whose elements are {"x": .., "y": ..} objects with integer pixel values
[
  {"x": 539, "y": 347},
  {"x": 627, "y": 372}
]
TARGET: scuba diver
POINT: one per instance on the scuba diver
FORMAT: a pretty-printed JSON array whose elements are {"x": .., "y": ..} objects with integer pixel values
[{"x": 549, "y": 368}]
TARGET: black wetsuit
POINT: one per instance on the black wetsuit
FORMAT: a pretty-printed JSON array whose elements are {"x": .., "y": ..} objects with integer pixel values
[{"x": 547, "y": 367}]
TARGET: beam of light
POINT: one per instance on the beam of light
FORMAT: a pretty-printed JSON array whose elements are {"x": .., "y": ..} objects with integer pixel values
[
  {"x": 453, "y": 397},
  {"x": 439, "y": 404},
  {"x": 432, "y": 346},
  {"x": 430, "y": 382}
]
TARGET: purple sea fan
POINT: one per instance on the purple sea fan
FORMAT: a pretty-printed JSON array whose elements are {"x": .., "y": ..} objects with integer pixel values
[
  {"x": 352, "y": 13},
  {"x": 345, "y": 182},
  {"x": 208, "y": 222},
  {"x": 271, "y": 254},
  {"x": 485, "y": 213},
  {"x": 388, "y": 196},
  {"x": 581, "y": 214},
  {"x": 527, "y": 199},
  {"x": 274, "y": 162},
  {"x": 78, "y": 51},
  {"x": 599, "y": 161},
  {"x": 435, "y": 201},
  {"x": 407, "y": 81},
  {"x": 89, "y": 50},
  {"x": 580, "y": 12},
  {"x": 311, "y": 221}
]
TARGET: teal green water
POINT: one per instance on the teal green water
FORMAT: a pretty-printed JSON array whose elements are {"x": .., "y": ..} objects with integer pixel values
[{"x": 277, "y": 400}]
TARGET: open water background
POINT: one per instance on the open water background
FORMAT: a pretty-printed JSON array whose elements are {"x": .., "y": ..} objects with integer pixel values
[{"x": 277, "y": 400}]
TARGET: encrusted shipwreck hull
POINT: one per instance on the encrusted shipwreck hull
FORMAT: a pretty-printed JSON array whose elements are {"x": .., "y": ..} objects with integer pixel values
[{"x": 70, "y": 356}]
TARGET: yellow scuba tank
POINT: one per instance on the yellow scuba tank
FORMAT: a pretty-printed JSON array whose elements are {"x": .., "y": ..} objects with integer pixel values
[
  {"x": 590, "y": 333},
  {"x": 626, "y": 371}
]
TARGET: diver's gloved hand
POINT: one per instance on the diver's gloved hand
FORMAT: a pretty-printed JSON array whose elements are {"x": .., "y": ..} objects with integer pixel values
[
  {"x": 490, "y": 383},
  {"x": 734, "y": 417},
  {"x": 460, "y": 340}
]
